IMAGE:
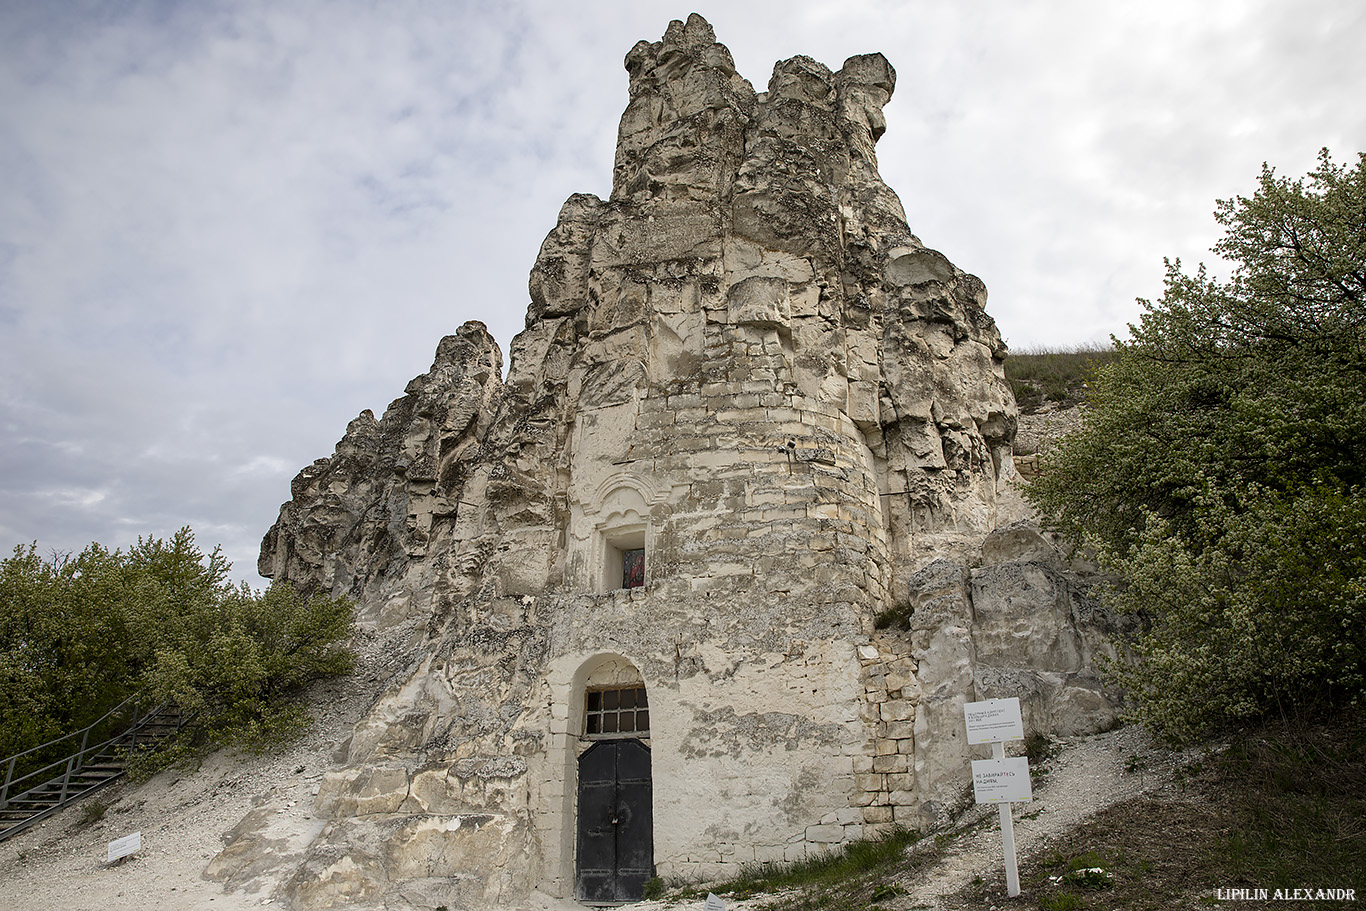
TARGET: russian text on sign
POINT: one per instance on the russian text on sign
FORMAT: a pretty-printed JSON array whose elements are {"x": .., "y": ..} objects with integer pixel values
[
  {"x": 994, "y": 720},
  {"x": 1001, "y": 780}
]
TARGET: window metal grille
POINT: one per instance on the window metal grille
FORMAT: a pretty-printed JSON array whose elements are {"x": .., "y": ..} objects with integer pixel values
[{"x": 616, "y": 711}]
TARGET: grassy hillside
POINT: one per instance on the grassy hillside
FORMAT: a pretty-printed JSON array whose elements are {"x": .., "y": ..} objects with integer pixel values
[{"x": 1039, "y": 376}]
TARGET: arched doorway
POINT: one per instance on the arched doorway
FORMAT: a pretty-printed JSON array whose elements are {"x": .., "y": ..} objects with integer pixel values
[{"x": 614, "y": 819}]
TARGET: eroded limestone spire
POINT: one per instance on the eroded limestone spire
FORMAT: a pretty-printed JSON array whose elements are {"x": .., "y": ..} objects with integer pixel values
[{"x": 741, "y": 371}]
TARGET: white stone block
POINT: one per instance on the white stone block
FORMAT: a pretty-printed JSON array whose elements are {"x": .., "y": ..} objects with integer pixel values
[
  {"x": 825, "y": 835},
  {"x": 899, "y": 730},
  {"x": 897, "y": 762},
  {"x": 769, "y": 854},
  {"x": 878, "y": 814}
]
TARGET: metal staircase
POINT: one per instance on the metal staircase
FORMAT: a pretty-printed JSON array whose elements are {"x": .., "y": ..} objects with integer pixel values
[{"x": 83, "y": 768}]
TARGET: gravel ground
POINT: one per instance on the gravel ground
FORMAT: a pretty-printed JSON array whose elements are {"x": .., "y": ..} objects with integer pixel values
[
  {"x": 59, "y": 865},
  {"x": 1039, "y": 432}
]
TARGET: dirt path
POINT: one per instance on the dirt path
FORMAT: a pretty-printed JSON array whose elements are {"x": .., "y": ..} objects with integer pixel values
[{"x": 1089, "y": 774}]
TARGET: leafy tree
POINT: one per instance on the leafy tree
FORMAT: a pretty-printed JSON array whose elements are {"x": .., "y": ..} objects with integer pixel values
[
  {"x": 1220, "y": 467},
  {"x": 240, "y": 663},
  {"x": 59, "y": 666},
  {"x": 79, "y": 635}
]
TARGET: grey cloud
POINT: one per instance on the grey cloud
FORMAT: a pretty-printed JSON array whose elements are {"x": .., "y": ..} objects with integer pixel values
[{"x": 226, "y": 228}]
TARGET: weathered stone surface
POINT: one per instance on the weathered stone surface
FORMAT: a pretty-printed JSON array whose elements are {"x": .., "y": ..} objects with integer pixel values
[
  {"x": 1020, "y": 624},
  {"x": 361, "y": 522},
  {"x": 1022, "y": 617},
  {"x": 1019, "y": 542},
  {"x": 744, "y": 363}
]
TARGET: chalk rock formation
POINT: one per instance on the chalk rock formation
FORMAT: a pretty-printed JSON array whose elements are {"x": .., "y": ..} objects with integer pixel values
[
  {"x": 360, "y": 522},
  {"x": 750, "y": 256},
  {"x": 1018, "y": 620},
  {"x": 748, "y": 408}
]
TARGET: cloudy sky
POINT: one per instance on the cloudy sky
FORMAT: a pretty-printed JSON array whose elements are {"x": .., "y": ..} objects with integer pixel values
[{"x": 228, "y": 227}]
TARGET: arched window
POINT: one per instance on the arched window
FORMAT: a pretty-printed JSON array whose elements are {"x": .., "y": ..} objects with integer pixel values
[
  {"x": 622, "y": 531},
  {"x": 615, "y": 703}
]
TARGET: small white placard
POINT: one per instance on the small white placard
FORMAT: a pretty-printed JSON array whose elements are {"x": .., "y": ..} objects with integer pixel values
[
  {"x": 1001, "y": 780},
  {"x": 714, "y": 903},
  {"x": 994, "y": 721},
  {"x": 122, "y": 847}
]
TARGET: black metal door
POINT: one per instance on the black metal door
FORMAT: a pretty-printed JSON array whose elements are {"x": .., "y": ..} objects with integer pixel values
[{"x": 616, "y": 822}]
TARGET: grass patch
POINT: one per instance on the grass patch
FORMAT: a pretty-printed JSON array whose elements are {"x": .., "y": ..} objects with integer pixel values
[
  {"x": 858, "y": 873},
  {"x": 1300, "y": 811},
  {"x": 1149, "y": 854},
  {"x": 855, "y": 859},
  {"x": 897, "y": 616},
  {"x": 1062, "y": 901},
  {"x": 1038, "y": 376},
  {"x": 92, "y": 813}
]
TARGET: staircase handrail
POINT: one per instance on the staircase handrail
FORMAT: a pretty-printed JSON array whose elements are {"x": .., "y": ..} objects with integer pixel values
[
  {"x": 73, "y": 761},
  {"x": 94, "y": 724}
]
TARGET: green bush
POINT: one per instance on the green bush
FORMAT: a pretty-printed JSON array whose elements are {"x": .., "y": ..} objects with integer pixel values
[
  {"x": 1220, "y": 467},
  {"x": 1259, "y": 610},
  {"x": 79, "y": 635}
]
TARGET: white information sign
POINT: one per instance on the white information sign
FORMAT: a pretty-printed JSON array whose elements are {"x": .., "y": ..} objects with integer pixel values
[
  {"x": 1001, "y": 780},
  {"x": 122, "y": 847},
  {"x": 714, "y": 903},
  {"x": 994, "y": 721}
]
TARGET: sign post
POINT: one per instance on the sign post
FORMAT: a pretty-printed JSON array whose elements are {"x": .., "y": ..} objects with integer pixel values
[{"x": 1000, "y": 780}]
